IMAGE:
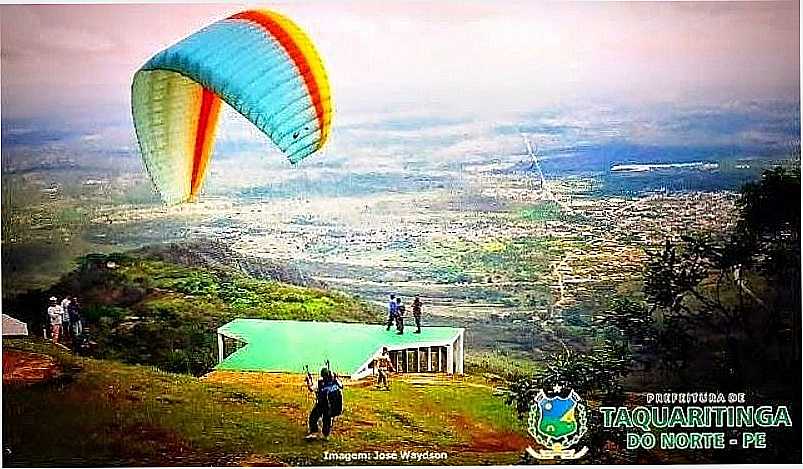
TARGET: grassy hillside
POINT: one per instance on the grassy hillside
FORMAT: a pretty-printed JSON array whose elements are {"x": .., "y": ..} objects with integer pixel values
[
  {"x": 143, "y": 310},
  {"x": 105, "y": 413}
]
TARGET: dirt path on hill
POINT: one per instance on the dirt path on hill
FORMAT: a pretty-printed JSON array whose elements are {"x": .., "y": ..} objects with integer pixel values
[
  {"x": 28, "y": 368},
  {"x": 485, "y": 439}
]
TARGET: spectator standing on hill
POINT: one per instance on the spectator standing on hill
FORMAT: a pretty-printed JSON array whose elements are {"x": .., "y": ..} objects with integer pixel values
[
  {"x": 399, "y": 317},
  {"x": 65, "y": 317},
  {"x": 54, "y": 314},
  {"x": 74, "y": 312},
  {"x": 417, "y": 314},
  {"x": 393, "y": 309}
]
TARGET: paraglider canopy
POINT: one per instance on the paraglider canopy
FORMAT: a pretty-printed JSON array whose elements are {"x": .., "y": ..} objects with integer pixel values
[{"x": 257, "y": 61}]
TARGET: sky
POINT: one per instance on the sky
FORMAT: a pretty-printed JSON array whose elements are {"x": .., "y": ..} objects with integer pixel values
[
  {"x": 441, "y": 79},
  {"x": 466, "y": 56}
]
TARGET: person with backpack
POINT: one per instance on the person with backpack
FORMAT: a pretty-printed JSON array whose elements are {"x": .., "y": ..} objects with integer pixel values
[{"x": 328, "y": 403}]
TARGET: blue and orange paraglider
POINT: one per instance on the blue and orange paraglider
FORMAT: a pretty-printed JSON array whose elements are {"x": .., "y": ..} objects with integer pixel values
[{"x": 258, "y": 62}]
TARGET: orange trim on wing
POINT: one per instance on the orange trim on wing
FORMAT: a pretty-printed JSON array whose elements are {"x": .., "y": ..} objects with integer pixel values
[
  {"x": 302, "y": 63},
  {"x": 318, "y": 72},
  {"x": 204, "y": 139}
]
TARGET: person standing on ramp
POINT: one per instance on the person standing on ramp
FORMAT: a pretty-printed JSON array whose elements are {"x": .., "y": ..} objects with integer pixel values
[
  {"x": 393, "y": 309},
  {"x": 399, "y": 316},
  {"x": 417, "y": 314}
]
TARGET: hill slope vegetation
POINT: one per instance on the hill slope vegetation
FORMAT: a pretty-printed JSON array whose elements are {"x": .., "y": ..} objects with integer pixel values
[{"x": 142, "y": 309}]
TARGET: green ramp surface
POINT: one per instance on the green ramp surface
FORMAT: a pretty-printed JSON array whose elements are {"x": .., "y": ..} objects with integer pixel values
[{"x": 289, "y": 346}]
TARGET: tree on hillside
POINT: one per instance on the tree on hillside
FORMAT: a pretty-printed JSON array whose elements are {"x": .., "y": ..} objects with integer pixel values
[
  {"x": 627, "y": 321},
  {"x": 737, "y": 296}
]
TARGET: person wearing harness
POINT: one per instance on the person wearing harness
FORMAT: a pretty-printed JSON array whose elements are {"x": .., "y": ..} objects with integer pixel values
[{"x": 328, "y": 403}]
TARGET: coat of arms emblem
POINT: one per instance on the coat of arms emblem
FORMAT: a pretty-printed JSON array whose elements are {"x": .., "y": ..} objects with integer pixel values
[{"x": 558, "y": 422}]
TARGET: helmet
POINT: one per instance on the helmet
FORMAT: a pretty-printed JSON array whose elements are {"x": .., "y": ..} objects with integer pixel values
[{"x": 325, "y": 373}]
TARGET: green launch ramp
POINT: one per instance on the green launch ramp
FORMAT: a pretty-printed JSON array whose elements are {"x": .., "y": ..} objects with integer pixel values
[{"x": 289, "y": 346}]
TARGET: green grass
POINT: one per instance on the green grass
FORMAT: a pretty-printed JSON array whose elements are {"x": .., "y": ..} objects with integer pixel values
[
  {"x": 106, "y": 413},
  {"x": 499, "y": 364}
]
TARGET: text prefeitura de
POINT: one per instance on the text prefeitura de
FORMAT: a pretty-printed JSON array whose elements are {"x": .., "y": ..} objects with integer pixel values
[{"x": 646, "y": 418}]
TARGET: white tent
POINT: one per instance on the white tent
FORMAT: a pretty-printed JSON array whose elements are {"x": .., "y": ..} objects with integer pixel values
[{"x": 13, "y": 326}]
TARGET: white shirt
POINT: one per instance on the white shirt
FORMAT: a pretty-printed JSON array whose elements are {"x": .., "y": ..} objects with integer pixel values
[
  {"x": 55, "y": 314},
  {"x": 65, "y": 310}
]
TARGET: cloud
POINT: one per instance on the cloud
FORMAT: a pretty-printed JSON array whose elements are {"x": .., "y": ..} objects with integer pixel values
[{"x": 46, "y": 40}]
